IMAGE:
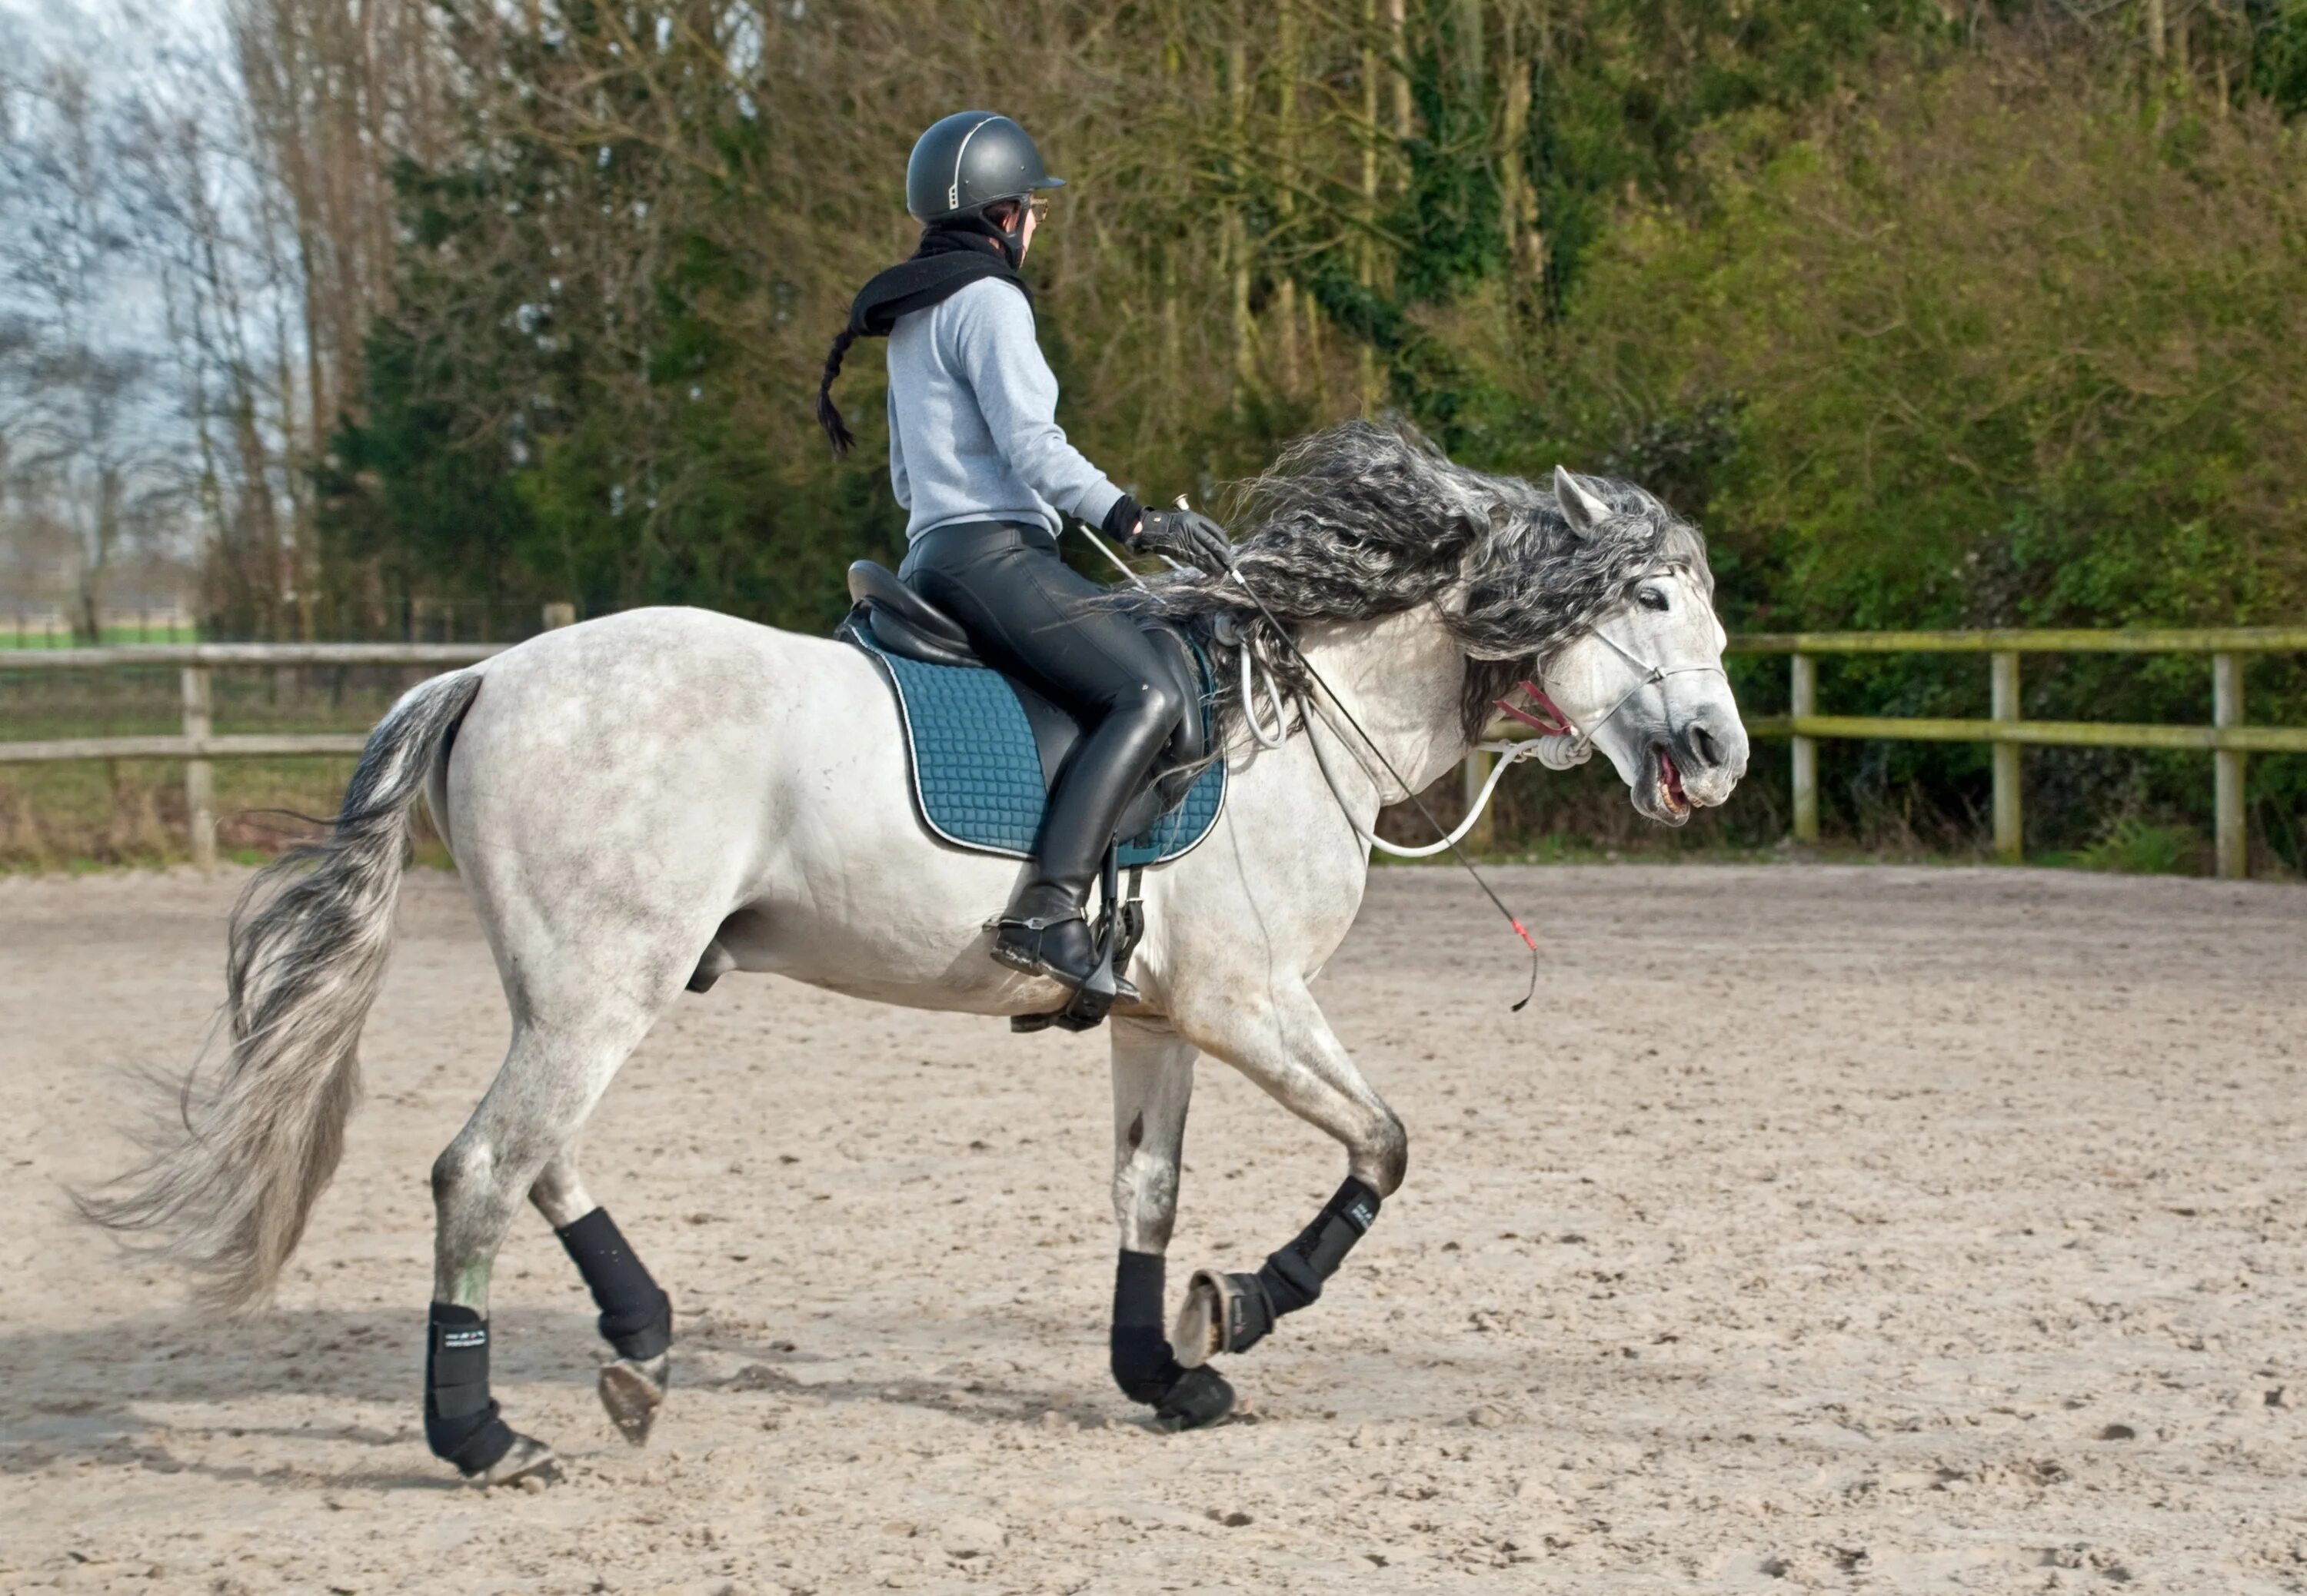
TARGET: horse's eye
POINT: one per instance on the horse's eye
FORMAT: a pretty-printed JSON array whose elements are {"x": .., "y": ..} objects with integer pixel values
[{"x": 1651, "y": 598}]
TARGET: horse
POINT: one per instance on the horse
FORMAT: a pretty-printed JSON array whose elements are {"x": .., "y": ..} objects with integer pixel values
[{"x": 662, "y": 795}]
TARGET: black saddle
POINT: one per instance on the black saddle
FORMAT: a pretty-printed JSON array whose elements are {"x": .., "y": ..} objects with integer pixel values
[{"x": 906, "y": 624}]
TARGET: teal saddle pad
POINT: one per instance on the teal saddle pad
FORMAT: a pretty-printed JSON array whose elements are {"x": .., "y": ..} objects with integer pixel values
[{"x": 977, "y": 771}]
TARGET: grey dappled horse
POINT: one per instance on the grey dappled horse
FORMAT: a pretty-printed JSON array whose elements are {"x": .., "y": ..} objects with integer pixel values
[{"x": 668, "y": 793}]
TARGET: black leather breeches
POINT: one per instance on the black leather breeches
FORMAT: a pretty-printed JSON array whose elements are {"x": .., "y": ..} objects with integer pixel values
[{"x": 1032, "y": 616}]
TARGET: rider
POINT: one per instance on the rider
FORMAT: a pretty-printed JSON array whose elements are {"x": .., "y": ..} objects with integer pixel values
[{"x": 980, "y": 464}]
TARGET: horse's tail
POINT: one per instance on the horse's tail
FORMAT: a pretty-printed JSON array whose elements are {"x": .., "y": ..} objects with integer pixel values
[{"x": 242, "y": 1157}]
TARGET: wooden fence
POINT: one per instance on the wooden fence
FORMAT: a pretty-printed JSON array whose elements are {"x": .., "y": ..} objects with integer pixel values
[
  {"x": 2227, "y": 739},
  {"x": 199, "y": 743}
]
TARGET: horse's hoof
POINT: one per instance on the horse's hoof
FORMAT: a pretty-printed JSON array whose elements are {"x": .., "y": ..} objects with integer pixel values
[
  {"x": 633, "y": 1392},
  {"x": 1199, "y": 1333},
  {"x": 526, "y": 1459},
  {"x": 1222, "y": 1313},
  {"x": 1200, "y": 1398}
]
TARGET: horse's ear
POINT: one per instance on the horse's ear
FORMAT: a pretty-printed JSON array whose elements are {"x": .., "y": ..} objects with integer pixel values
[{"x": 1583, "y": 509}]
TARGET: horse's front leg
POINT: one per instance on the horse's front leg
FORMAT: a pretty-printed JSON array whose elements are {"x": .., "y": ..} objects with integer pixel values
[
  {"x": 1153, "y": 1088},
  {"x": 1279, "y": 1038}
]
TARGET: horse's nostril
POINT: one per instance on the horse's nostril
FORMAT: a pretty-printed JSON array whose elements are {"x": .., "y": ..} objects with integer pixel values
[{"x": 1702, "y": 743}]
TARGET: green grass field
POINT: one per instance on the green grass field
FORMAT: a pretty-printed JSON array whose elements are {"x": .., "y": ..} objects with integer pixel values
[
  {"x": 12, "y": 638},
  {"x": 95, "y": 813}
]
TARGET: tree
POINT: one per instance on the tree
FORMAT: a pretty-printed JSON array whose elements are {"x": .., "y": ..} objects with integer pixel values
[{"x": 81, "y": 433}]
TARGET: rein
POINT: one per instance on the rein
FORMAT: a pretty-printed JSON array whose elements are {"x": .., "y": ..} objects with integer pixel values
[
  {"x": 1509, "y": 755},
  {"x": 1449, "y": 839}
]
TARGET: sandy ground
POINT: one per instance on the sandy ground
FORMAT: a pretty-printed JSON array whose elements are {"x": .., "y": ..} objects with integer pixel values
[{"x": 1824, "y": 1229}]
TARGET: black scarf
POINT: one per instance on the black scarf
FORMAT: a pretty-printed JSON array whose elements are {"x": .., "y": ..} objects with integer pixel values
[{"x": 947, "y": 261}]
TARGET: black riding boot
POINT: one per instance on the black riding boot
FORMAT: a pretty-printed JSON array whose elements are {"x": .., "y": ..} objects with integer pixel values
[
  {"x": 1031, "y": 615},
  {"x": 1046, "y": 930}
]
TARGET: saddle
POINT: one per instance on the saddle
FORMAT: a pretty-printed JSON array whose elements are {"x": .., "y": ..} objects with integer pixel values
[
  {"x": 894, "y": 623},
  {"x": 985, "y": 749}
]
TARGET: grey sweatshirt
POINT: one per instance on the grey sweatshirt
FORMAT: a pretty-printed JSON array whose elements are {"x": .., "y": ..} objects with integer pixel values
[{"x": 973, "y": 433}]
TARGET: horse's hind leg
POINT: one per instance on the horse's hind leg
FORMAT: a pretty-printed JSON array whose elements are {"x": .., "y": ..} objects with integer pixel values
[
  {"x": 635, "y": 1315},
  {"x": 1284, "y": 1044},
  {"x": 1152, "y": 1087},
  {"x": 551, "y": 1078}
]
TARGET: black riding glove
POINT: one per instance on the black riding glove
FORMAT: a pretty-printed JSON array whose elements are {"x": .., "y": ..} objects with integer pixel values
[{"x": 1186, "y": 536}]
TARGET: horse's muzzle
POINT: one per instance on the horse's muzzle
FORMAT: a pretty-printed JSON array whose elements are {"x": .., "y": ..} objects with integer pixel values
[{"x": 1709, "y": 754}]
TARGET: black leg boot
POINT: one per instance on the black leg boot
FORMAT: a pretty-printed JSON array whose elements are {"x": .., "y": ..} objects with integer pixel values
[{"x": 1046, "y": 929}]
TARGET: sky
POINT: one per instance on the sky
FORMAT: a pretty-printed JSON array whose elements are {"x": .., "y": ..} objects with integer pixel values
[{"x": 115, "y": 40}]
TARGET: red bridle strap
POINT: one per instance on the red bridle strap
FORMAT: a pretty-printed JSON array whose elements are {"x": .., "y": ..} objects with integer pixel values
[{"x": 1560, "y": 727}]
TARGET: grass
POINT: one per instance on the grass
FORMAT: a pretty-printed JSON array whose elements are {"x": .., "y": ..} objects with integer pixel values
[
  {"x": 92, "y": 816},
  {"x": 2133, "y": 847},
  {"x": 88, "y": 817},
  {"x": 10, "y": 638},
  {"x": 133, "y": 812},
  {"x": 97, "y": 813}
]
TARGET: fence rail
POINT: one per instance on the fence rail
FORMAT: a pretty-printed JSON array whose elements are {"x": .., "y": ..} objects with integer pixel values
[
  {"x": 2226, "y": 739},
  {"x": 198, "y": 745},
  {"x": 2137, "y": 640}
]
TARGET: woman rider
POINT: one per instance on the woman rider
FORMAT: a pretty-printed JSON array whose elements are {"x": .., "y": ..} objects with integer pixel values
[{"x": 985, "y": 474}]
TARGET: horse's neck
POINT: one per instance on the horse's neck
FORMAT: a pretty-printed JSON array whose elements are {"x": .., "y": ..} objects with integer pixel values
[{"x": 1402, "y": 678}]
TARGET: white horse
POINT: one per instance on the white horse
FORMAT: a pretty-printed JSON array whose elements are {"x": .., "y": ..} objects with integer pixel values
[{"x": 626, "y": 796}]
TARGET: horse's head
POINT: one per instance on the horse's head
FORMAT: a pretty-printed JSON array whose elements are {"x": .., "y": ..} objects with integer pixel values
[
  {"x": 1644, "y": 683},
  {"x": 1596, "y": 589}
]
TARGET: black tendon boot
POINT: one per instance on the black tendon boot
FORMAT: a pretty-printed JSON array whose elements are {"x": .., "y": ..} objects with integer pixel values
[{"x": 460, "y": 1417}]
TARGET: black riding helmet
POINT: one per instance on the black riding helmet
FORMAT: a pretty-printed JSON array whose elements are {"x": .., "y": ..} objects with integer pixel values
[
  {"x": 967, "y": 162},
  {"x": 964, "y": 166}
]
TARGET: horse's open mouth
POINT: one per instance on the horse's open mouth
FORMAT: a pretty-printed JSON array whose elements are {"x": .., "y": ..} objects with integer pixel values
[{"x": 1670, "y": 795}]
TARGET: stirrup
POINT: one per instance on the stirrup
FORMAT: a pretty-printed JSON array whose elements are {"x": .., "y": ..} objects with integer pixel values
[{"x": 1111, "y": 937}]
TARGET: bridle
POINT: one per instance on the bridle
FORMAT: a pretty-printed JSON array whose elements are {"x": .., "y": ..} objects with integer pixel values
[
  {"x": 1514, "y": 752},
  {"x": 1544, "y": 746},
  {"x": 1648, "y": 674}
]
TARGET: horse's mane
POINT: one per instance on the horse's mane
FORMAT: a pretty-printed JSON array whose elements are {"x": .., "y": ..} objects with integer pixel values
[{"x": 1365, "y": 520}]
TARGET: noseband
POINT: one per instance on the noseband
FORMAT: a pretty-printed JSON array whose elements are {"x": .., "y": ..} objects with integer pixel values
[{"x": 1650, "y": 674}]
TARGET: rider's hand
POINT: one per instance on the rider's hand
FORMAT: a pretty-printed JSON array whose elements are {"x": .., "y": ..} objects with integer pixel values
[{"x": 1186, "y": 536}]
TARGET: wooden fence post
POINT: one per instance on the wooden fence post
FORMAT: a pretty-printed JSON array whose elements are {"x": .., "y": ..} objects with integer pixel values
[
  {"x": 557, "y": 616},
  {"x": 2010, "y": 845},
  {"x": 200, "y": 775},
  {"x": 1471, "y": 775},
  {"x": 2232, "y": 843},
  {"x": 1804, "y": 691}
]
